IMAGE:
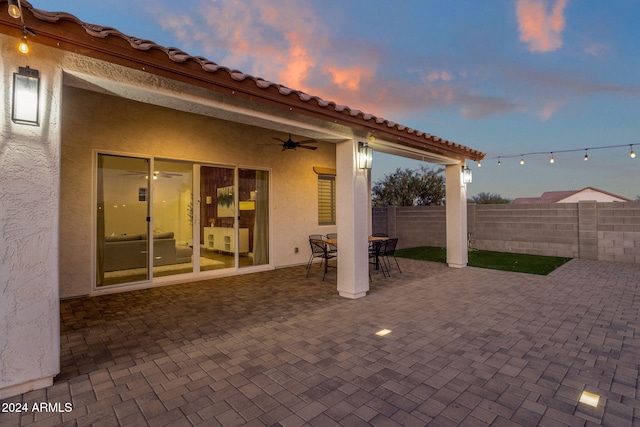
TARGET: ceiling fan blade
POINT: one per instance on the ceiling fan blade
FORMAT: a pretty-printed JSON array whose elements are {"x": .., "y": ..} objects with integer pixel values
[
  {"x": 308, "y": 141},
  {"x": 307, "y": 147},
  {"x": 281, "y": 140}
]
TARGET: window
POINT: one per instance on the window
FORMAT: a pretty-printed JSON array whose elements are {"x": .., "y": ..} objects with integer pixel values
[{"x": 326, "y": 200}]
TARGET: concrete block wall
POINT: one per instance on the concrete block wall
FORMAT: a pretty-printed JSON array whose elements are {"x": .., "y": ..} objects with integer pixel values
[
  {"x": 545, "y": 229},
  {"x": 589, "y": 230},
  {"x": 618, "y": 234}
]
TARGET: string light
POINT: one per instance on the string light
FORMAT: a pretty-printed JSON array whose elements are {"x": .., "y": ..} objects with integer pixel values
[
  {"x": 23, "y": 46},
  {"x": 15, "y": 10},
  {"x": 552, "y": 159}
]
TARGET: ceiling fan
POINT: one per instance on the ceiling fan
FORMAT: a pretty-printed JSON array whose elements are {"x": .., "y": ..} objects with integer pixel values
[
  {"x": 156, "y": 174},
  {"x": 290, "y": 144}
]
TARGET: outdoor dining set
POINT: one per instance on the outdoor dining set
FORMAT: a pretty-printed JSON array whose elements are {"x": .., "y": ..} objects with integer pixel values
[{"x": 381, "y": 251}]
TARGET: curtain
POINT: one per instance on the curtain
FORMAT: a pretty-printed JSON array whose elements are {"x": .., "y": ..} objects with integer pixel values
[{"x": 261, "y": 225}]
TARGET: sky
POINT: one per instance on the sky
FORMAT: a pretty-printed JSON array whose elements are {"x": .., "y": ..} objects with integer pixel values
[{"x": 506, "y": 77}]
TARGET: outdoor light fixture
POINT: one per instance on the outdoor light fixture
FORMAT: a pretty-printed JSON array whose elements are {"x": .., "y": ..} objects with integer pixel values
[
  {"x": 26, "y": 96},
  {"x": 466, "y": 175},
  {"x": 14, "y": 9},
  {"x": 383, "y": 332},
  {"x": 365, "y": 155}
]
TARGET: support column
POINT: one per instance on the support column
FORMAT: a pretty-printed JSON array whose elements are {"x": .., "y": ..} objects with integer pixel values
[
  {"x": 29, "y": 206},
  {"x": 456, "y": 199},
  {"x": 353, "y": 213}
]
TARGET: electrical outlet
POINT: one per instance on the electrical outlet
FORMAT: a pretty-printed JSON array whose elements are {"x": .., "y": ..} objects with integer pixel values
[{"x": 295, "y": 250}]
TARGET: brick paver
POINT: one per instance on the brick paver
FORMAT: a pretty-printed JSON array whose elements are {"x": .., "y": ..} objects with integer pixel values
[{"x": 468, "y": 347}]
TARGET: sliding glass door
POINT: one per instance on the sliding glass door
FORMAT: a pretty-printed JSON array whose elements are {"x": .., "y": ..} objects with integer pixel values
[
  {"x": 225, "y": 225},
  {"x": 122, "y": 214},
  {"x": 253, "y": 209},
  {"x": 172, "y": 218},
  {"x": 217, "y": 218}
]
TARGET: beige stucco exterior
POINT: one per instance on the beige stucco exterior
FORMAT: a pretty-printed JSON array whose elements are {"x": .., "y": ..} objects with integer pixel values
[{"x": 95, "y": 122}]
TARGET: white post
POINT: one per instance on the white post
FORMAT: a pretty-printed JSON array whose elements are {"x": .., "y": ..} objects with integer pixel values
[
  {"x": 353, "y": 210},
  {"x": 29, "y": 252},
  {"x": 456, "y": 199}
]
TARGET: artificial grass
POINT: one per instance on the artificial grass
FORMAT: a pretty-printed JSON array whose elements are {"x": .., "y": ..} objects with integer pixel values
[{"x": 505, "y": 261}]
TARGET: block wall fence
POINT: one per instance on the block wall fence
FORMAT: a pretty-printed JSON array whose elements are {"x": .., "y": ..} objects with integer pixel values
[{"x": 588, "y": 230}]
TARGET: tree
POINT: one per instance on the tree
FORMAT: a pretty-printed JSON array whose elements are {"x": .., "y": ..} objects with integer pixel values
[
  {"x": 410, "y": 187},
  {"x": 489, "y": 199}
]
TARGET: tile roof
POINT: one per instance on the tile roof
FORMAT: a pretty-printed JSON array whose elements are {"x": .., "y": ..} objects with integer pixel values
[
  {"x": 556, "y": 196},
  {"x": 54, "y": 28}
]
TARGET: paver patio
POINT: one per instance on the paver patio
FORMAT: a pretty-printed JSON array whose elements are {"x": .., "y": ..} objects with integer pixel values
[{"x": 468, "y": 347}]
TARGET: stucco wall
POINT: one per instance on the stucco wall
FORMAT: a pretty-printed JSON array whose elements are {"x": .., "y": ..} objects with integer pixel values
[
  {"x": 29, "y": 190},
  {"x": 590, "y": 230},
  {"x": 96, "y": 121}
]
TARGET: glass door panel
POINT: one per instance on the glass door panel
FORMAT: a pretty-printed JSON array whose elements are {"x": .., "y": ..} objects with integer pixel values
[
  {"x": 217, "y": 218},
  {"x": 172, "y": 218},
  {"x": 122, "y": 246},
  {"x": 253, "y": 208}
]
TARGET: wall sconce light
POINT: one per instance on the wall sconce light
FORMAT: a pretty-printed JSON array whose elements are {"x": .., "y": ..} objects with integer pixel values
[
  {"x": 14, "y": 9},
  {"x": 26, "y": 96},
  {"x": 208, "y": 200},
  {"x": 365, "y": 155},
  {"x": 466, "y": 175}
]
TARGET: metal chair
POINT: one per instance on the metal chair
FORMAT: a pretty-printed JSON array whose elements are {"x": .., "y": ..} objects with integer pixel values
[
  {"x": 376, "y": 248},
  {"x": 390, "y": 251},
  {"x": 319, "y": 250}
]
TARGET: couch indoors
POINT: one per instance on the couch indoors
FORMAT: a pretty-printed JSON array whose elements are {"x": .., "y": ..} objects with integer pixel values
[{"x": 124, "y": 252}]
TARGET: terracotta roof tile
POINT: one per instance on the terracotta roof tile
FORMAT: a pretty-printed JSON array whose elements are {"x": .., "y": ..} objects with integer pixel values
[{"x": 178, "y": 56}]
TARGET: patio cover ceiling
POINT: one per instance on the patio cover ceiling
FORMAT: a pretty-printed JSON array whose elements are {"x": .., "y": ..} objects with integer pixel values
[{"x": 233, "y": 95}]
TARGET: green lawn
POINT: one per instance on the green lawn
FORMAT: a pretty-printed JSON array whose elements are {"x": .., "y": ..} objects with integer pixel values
[{"x": 521, "y": 263}]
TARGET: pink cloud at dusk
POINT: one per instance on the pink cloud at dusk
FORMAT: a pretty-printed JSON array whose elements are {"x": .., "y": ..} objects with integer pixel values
[
  {"x": 539, "y": 27},
  {"x": 292, "y": 45}
]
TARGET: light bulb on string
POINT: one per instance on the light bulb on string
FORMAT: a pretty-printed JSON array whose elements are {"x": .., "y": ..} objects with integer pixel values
[
  {"x": 586, "y": 155},
  {"x": 552, "y": 160},
  {"x": 23, "y": 46},
  {"x": 522, "y": 160},
  {"x": 632, "y": 154},
  {"x": 499, "y": 161},
  {"x": 14, "y": 9}
]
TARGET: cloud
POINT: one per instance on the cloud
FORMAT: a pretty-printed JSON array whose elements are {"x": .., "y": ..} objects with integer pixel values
[
  {"x": 291, "y": 44},
  {"x": 434, "y": 76},
  {"x": 539, "y": 27}
]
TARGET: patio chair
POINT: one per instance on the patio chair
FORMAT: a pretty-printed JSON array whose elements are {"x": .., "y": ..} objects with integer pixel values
[
  {"x": 379, "y": 235},
  {"x": 319, "y": 250},
  {"x": 390, "y": 251},
  {"x": 376, "y": 248}
]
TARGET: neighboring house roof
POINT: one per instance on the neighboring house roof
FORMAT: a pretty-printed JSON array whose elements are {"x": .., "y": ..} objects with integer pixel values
[
  {"x": 570, "y": 196},
  {"x": 65, "y": 31}
]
